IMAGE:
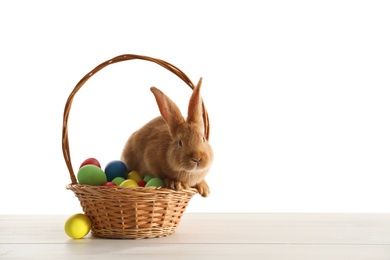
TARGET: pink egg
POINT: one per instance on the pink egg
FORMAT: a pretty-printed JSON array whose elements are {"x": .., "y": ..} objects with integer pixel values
[
  {"x": 92, "y": 161},
  {"x": 141, "y": 183},
  {"x": 109, "y": 184}
]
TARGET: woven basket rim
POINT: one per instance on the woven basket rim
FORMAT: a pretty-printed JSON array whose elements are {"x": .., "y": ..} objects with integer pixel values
[
  {"x": 175, "y": 70},
  {"x": 131, "y": 190}
]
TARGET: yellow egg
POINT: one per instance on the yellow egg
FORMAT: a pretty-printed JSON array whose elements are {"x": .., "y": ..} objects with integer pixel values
[
  {"x": 134, "y": 175},
  {"x": 77, "y": 226},
  {"x": 129, "y": 183}
]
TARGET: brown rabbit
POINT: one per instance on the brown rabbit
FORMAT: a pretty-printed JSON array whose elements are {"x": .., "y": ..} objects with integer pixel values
[{"x": 172, "y": 148}]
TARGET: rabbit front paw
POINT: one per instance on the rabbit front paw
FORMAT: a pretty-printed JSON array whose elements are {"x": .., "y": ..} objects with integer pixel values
[
  {"x": 176, "y": 185},
  {"x": 203, "y": 189}
]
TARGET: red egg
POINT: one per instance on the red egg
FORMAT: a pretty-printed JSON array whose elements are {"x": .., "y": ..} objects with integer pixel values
[
  {"x": 141, "y": 183},
  {"x": 109, "y": 184},
  {"x": 92, "y": 161}
]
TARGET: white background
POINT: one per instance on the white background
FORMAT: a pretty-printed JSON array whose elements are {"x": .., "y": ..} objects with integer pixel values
[{"x": 297, "y": 93}]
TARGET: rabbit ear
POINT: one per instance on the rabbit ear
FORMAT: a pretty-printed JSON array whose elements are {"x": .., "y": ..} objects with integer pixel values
[
  {"x": 195, "y": 105},
  {"x": 168, "y": 109}
]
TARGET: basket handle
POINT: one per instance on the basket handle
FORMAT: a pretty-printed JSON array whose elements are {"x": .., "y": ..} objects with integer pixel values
[{"x": 168, "y": 66}]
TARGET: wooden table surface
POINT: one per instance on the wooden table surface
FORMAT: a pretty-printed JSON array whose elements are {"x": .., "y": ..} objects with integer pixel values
[{"x": 210, "y": 236}]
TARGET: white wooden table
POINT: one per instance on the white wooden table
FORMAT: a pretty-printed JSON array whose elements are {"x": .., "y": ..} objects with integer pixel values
[{"x": 210, "y": 236}]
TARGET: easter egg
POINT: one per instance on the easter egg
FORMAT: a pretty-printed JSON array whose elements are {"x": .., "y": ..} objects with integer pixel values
[
  {"x": 118, "y": 180},
  {"x": 92, "y": 161},
  {"x": 148, "y": 178},
  {"x": 141, "y": 183},
  {"x": 91, "y": 175},
  {"x": 154, "y": 182},
  {"x": 134, "y": 176},
  {"x": 115, "y": 169},
  {"x": 77, "y": 226},
  {"x": 109, "y": 184},
  {"x": 128, "y": 183}
]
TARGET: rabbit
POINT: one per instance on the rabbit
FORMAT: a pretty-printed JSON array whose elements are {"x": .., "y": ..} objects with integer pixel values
[{"x": 172, "y": 148}]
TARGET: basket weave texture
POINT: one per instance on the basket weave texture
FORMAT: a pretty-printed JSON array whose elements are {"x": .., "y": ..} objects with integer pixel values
[{"x": 132, "y": 212}]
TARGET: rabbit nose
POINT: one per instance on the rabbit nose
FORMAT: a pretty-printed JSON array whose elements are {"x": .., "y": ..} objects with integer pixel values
[{"x": 197, "y": 160}]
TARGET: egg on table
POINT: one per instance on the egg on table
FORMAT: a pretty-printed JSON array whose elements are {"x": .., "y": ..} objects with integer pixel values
[{"x": 77, "y": 226}]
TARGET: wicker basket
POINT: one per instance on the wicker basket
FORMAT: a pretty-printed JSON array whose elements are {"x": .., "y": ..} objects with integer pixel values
[{"x": 130, "y": 213}]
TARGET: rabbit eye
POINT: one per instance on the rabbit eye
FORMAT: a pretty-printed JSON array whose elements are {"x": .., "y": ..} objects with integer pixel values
[
  {"x": 204, "y": 139},
  {"x": 180, "y": 143}
]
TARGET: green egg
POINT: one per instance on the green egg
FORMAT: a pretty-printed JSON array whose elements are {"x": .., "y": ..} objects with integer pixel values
[
  {"x": 118, "y": 180},
  {"x": 148, "y": 178},
  {"x": 155, "y": 182},
  {"x": 91, "y": 175}
]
